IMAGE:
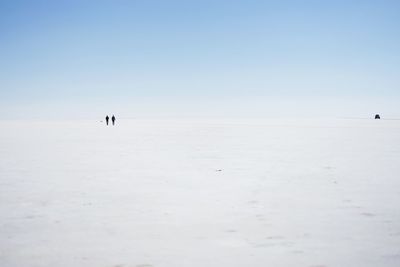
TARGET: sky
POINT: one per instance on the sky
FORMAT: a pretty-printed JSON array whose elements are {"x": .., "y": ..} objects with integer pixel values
[{"x": 250, "y": 58}]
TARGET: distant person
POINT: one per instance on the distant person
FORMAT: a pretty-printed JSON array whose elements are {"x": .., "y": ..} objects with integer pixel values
[
  {"x": 107, "y": 119},
  {"x": 113, "y": 119},
  {"x": 377, "y": 117}
]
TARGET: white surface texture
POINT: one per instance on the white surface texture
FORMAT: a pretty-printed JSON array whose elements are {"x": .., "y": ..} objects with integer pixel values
[{"x": 200, "y": 193}]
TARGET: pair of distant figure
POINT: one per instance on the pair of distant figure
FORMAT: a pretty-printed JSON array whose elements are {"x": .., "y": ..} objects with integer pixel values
[{"x": 112, "y": 119}]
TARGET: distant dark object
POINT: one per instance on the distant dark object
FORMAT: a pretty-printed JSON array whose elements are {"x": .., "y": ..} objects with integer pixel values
[
  {"x": 107, "y": 119},
  {"x": 113, "y": 119},
  {"x": 377, "y": 117}
]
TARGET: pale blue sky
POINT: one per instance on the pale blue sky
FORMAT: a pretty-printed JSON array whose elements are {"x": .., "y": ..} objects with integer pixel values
[{"x": 83, "y": 59}]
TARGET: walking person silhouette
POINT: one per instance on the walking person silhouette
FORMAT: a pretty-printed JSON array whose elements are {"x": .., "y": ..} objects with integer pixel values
[
  {"x": 113, "y": 119},
  {"x": 107, "y": 118}
]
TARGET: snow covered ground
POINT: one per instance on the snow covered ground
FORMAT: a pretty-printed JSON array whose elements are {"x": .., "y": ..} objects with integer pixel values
[{"x": 200, "y": 193}]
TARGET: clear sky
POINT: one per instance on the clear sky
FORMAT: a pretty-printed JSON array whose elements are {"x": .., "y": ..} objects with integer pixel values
[{"x": 84, "y": 59}]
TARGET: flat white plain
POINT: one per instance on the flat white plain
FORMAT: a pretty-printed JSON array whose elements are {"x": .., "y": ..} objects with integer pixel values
[{"x": 200, "y": 193}]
